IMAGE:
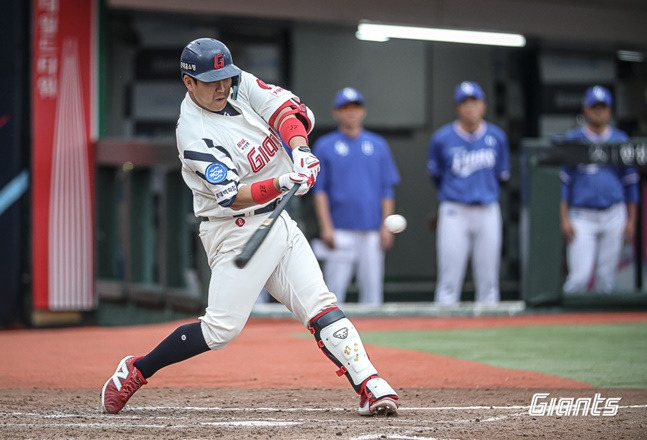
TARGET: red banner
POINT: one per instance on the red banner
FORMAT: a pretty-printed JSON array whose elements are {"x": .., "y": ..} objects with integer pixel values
[{"x": 63, "y": 112}]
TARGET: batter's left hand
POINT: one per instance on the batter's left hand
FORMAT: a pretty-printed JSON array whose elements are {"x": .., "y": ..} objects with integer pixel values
[
  {"x": 305, "y": 162},
  {"x": 286, "y": 181}
]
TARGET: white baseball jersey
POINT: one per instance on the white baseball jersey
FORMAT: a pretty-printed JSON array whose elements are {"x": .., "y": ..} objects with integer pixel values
[{"x": 220, "y": 152}]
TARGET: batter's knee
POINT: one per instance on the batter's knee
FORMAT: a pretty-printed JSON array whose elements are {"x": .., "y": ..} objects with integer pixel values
[{"x": 218, "y": 333}]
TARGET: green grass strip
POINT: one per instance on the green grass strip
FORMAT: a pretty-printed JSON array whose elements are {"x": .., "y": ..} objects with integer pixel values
[{"x": 608, "y": 356}]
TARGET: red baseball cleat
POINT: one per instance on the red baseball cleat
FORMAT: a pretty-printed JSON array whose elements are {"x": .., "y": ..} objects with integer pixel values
[
  {"x": 121, "y": 385},
  {"x": 378, "y": 398}
]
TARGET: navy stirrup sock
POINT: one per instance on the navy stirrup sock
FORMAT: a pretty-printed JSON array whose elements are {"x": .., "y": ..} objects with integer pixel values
[{"x": 184, "y": 343}]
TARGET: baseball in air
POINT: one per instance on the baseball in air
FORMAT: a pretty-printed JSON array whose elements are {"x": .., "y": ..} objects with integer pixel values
[{"x": 395, "y": 223}]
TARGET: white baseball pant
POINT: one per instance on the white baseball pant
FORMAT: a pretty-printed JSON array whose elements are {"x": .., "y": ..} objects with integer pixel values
[
  {"x": 463, "y": 230},
  {"x": 284, "y": 264},
  {"x": 359, "y": 253},
  {"x": 596, "y": 248}
]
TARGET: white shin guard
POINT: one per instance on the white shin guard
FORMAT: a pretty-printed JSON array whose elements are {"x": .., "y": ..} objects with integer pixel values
[{"x": 340, "y": 341}]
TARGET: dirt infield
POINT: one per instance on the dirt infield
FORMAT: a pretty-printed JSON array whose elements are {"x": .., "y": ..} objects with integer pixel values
[
  {"x": 273, "y": 383},
  {"x": 230, "y": 413}
]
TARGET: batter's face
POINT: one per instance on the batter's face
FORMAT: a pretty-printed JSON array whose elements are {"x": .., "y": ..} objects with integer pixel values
[
  {"x": 210, "y": 96},
  {"x": 350, "y": 116},
  {"x": 471, "y": 111},
  {"x": 598, "y": 116}
]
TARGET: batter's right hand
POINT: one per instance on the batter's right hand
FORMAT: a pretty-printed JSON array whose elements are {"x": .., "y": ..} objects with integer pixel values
[{"x": 286, "y": 181}]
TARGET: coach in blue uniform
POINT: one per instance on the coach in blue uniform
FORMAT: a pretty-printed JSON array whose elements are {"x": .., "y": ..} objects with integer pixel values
[
  {"x": 354, "y": 193},
  {"x": 598, "y": 206},
  {"x": 467, "y": 160}
]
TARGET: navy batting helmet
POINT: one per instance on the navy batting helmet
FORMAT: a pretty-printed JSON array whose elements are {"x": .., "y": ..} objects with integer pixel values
[{"x": 208, "y": 60}]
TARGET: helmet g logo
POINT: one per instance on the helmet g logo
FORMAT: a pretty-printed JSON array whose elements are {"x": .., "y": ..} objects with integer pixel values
[{"x": 219, "y": 61}]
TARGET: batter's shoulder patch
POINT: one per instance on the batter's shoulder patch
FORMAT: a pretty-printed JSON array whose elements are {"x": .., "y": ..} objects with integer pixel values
[{"x": 216, "y": 172}]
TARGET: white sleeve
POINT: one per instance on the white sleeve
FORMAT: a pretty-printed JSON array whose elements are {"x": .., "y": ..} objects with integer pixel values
[
  {"x": 214, "y": 168},
  {"x": 264, "y": 98}
]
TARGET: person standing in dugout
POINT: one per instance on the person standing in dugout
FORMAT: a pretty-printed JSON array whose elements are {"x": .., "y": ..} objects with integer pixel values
[
  {"x": 233, "y": 162},
  {"x": 598, "y": 206},
  {"x": 351, "y": 223},
  {"x": 467, "y": 160}
]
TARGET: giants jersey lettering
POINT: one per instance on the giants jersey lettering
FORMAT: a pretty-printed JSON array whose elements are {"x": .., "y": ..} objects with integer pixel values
[
  {"x": 468, "y": 166},
  {"x": 220, "y": 153}
]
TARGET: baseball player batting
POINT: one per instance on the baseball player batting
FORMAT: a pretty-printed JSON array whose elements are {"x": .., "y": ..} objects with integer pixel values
[
  {"x": 467, "y": 159},
  {"x": 233, "y": 162}
]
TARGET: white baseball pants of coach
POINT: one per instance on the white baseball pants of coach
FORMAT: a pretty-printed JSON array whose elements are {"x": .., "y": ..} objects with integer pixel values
[
  {"x": 359, "y": 253},
  {"x": 284, "y": 264},
  {"x": 596, "y": 247},
  {"x": 463, "y": 230}
]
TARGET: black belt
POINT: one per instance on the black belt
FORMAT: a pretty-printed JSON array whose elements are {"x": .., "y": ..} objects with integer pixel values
[
  {"x": 264, "y": 210},
  {"x": 591, "y": 208},
  {"x": 473, "y": 203}
]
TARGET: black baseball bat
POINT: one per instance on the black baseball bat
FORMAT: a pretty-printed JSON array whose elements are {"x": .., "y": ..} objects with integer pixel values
[{"x": 259, "y": 235}]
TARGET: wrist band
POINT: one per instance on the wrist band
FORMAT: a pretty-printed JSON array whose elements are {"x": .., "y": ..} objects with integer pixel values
[{"x": 264, "y": 191}]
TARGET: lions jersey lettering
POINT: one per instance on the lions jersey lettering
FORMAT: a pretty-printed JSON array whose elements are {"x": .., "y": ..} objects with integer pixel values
[
  {"x": 467, "y": 167},
  {"x": 466, "y": 162}
]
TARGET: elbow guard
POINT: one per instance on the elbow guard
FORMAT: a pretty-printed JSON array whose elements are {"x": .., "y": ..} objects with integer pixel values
[{"x": 301, "y": 125}]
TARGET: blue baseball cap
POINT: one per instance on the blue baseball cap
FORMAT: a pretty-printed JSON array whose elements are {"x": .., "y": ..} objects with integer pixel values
[
  {"x": 468, "y": 89},
  {"x": 348, "y": 95},
  {"x": 597, "y": 95}
]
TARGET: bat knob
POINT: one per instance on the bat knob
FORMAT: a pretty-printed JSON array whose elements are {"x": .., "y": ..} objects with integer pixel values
[{"x": 241, "y": 262}]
